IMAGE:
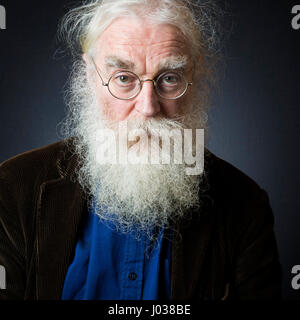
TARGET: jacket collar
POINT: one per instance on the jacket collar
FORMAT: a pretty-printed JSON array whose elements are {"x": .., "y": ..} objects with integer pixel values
[{"x": 189, "y": 252}]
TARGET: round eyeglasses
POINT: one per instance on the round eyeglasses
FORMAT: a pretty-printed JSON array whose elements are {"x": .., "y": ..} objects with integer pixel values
[{"x": 126, "y": 85}]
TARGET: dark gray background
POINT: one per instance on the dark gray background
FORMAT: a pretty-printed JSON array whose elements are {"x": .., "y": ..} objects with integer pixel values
[{"x": 254, "y": 124}]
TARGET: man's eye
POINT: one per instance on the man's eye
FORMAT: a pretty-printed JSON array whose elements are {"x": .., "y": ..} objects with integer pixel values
[
  {"x": 123, "y": 78},
  {"x": 170, "y": 79}
]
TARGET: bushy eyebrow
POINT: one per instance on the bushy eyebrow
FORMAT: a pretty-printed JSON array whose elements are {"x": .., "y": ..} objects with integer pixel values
[
  {"x": 115, "y": 62},
  {"x": 173, "y": 63}
]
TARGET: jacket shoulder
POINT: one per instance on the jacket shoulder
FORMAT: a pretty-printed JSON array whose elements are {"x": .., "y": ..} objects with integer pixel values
[
  {"x": 244, "y": 232},
  {"x": 229, "y": 181},
  {"x": 239, "y": 200},
  {"x": 33, "y": 163}
]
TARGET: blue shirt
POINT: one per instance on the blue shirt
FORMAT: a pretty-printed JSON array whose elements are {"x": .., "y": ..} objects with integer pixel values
[{"x": 111, "y": 265}]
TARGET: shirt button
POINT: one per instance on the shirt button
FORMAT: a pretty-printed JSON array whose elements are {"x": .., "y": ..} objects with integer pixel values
[{"x": 132, "y": 276}]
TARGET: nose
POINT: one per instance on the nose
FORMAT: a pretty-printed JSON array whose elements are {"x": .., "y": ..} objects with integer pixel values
[{"x": 147, "y": 102}]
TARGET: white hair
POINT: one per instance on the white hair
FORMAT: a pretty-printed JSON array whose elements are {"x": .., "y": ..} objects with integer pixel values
[{"x": 196, "y": 19}]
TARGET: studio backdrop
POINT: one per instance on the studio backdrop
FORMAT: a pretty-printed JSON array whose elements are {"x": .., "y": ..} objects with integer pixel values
[{"x": 253, "y": 123}]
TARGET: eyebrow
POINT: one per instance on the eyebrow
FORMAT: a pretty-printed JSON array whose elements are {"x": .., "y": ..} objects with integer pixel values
[
  {"x": 115, "y": 62},
  {"x": 173, "y": 63}
]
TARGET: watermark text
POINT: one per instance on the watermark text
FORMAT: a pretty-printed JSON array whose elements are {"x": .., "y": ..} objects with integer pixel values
[
  {"x": 2, "y": 278},
  {"x": 296, "y": 18},
  {"x": 2, "y": 17},
  {"x": 296, "y": 279},
  {"x": 162, "y": 147}
]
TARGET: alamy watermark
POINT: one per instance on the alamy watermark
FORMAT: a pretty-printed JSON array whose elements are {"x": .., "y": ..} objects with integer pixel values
[
  {"x": 161, "y": 146},
  {"x": 2, "y": 17},
  {"x": 296, "y": 279},
  {"x": 2, "y": 278},
  {"x": 296, "y": 18}
]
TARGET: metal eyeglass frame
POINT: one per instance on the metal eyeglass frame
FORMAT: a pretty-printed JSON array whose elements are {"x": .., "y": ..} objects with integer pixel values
[{"x": 141, "y": 84}]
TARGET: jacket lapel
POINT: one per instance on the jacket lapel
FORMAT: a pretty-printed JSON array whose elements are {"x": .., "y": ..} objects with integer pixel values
[
  {"x": 188, "y": 255},
  {"x": 191, "y": 244},
  {"x": 59, "y": 213}
]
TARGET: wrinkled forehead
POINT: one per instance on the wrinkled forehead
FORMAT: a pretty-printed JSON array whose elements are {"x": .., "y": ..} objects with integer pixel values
[{"x": 127, "y": 43}]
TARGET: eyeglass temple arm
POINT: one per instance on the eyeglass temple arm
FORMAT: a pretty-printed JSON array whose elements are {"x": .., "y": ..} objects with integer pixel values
[{"x": 103, "y": 83}]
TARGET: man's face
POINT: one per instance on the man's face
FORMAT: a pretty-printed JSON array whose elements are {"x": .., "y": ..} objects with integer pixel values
[{"x": 147, "y": 50}]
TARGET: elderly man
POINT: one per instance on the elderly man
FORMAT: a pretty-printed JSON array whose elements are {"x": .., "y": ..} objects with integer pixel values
[{"x": 78, "y": 220}]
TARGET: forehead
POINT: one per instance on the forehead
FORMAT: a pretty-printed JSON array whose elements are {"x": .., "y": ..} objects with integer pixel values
[{"x": 141, "y": 42}]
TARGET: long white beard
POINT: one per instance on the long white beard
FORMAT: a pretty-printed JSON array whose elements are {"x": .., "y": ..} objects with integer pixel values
[{"x": 134, "y": 197}]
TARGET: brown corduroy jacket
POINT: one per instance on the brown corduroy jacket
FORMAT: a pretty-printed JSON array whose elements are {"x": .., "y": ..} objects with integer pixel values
[{"x": 227, "y": 250}]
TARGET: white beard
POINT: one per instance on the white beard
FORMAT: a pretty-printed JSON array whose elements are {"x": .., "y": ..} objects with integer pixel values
[{"x": 138, "y": 197}]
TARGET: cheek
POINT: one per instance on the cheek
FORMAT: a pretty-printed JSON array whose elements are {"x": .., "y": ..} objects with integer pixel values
[
  {"x": 120, "y": 110},
  {"x": 172, "y": 108},
  {"x": 113, "y": 108}
]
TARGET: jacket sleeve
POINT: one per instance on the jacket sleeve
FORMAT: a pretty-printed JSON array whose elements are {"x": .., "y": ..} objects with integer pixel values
[
  {"x": 12, "y": 244},
  {"x": 258, "y": 272}
]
